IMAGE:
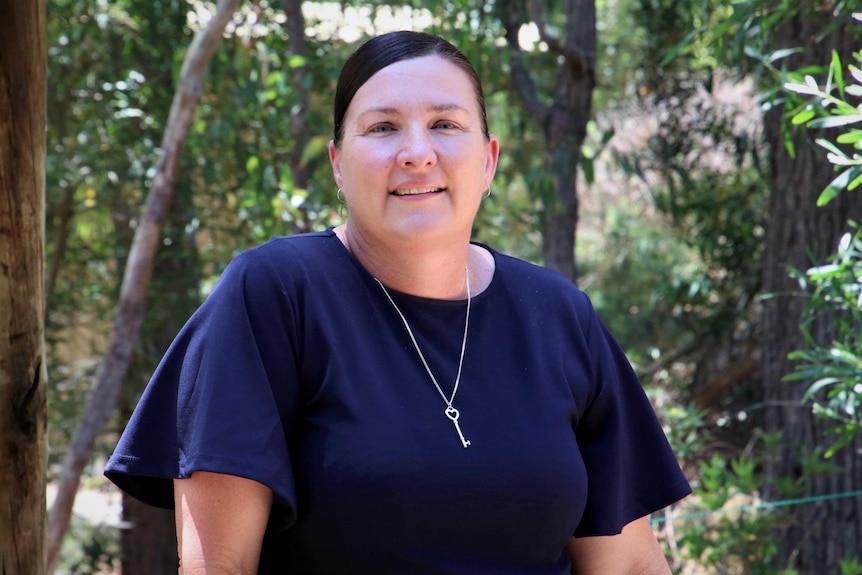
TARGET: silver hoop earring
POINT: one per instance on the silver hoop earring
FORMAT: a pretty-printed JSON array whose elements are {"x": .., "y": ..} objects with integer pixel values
[
  {"x": 339, "y": 195},
  {"x": 487, "y": 193}
]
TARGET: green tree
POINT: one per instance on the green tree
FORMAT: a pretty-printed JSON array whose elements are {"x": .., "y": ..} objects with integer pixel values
[
  {"x": 758, "y": 37},
  {"x": 130, "y": 308},
  {"x": 563, "y": 119},
  {"x": 834, "y": 369}
]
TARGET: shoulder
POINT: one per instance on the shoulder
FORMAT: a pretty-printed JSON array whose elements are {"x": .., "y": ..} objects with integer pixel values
[
  {"x": 542, "y": 285},
  {"x": 290, "y": 249},
  {"x": 289, "y": 254},
  {"x": 282, "y": 264}
]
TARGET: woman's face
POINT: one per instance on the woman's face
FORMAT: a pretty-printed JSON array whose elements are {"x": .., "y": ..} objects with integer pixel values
[{"x": 413, "y": 162}]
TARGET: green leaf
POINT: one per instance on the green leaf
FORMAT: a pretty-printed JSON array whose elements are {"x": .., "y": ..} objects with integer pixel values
[
  {"x": 752, "y": 52},
  {"x": 803, "y": 116},
  {"x": 824, "y": 271},
  {"x": 832, "y": 148},
  {"x": 836, "y": 70},
  {"x": 274, "y": 78},
  {"x": 834, "y": 188},
  {"x": 682, "y": 45},
  {"x": 779, "y": 54},
  {"x": 817, "y": 386},
  {"x": 853, "y": 185},
  {"x": 252, "y": 163},
  {"x": 835, "y": 121},
  {"x": 802, "y": 88},
  {"x": 850, "y": 137}
]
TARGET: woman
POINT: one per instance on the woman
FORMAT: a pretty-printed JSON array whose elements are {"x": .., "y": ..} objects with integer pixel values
[{"x": 388, "y": 397}]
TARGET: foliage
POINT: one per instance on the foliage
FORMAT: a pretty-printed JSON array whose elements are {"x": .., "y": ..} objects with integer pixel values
[
  {"x": 727, "y": 532},
  {"x": 686, "y": 430},
  {"x": 89, "y": 549},
  {"x": 726, "y": 527},
  {"x": 834, "y": 370},
  {"x": 706, "y": 180},
  {"x": 740, "y": 34},
  {"x": 827, "y": 106}
]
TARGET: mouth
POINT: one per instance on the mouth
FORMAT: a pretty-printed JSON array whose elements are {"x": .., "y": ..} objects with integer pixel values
[{"x": 416, "y": 191}]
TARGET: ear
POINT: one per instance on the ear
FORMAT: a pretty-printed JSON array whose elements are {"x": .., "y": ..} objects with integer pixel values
[
  {"x": 492, "y": 155},
  {"x": 335, "y": 160}
]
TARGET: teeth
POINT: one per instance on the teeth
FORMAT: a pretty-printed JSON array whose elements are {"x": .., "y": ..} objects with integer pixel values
[{"x": 415, "y": 191}]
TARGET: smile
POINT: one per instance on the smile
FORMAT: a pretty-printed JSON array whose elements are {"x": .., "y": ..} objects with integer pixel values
[{"x": 417, "y": 191}]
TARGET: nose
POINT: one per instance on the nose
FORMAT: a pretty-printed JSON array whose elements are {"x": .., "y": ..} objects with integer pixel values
[{"x": 417, "y": 149}]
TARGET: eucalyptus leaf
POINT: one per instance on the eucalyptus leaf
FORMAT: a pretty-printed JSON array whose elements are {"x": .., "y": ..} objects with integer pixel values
[
  {"x": 835, "y": 121},
  {"x": 835, "y": 69},
  {"x": 803, "y": 116}
]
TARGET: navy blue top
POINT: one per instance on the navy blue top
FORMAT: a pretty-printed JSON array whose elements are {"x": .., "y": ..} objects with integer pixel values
[{"x": 297, "y": 372}]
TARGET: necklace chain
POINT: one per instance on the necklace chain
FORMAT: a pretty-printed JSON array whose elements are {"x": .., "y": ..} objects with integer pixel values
[{"x": 450, "y": 411}]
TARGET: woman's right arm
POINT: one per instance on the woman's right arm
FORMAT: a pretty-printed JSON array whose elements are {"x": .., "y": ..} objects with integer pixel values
[{"x": 220, "y": 523}]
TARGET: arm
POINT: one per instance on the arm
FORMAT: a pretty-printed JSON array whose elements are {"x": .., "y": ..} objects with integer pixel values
[
  {"x": 220, "y": 523},
  {"x": 635, "y": 551}
]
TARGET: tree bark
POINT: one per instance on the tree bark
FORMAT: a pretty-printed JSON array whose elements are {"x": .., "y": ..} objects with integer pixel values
[
  {"x": 150, "y": 544},
  {"x": 564, "y": 122},
  {"x": 23, "y": 379},
  {"x": 129, "y": 316},
  {"x": 820, "y": 534}
]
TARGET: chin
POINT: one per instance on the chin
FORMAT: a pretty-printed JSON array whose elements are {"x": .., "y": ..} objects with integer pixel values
[{"x": 422, "y": 227}]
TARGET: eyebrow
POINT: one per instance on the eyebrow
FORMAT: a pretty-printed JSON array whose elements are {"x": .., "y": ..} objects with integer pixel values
[{"x": 394, "y": 111}]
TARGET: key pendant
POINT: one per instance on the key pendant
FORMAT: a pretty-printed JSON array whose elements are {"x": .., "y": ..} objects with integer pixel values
[{"x": 453, "y": 414}]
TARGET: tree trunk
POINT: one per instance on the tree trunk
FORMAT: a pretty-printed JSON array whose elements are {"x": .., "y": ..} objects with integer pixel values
[
  {"x": 23, "y": 380},
  {"x": 149, "y": 546},
  {"x": 300, "y": 81},
  {"x": 130, "y": 309},
  {"x": 820, "y": 534},
  {"x": 564, "y": 122}
]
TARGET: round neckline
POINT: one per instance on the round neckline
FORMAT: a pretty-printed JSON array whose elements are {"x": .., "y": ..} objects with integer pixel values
[{"x": 372, "y": 281}]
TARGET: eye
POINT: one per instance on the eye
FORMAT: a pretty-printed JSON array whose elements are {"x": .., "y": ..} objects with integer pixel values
[
  {"x": 445, "y": 125},
  {"x": 380, "y": 129}
]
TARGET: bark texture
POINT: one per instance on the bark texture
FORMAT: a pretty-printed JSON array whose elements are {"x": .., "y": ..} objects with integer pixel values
[
  {"x": 820, "y": 534},
  {"x": 23, "y": 407},
  {"x": 104, "y": 397}
]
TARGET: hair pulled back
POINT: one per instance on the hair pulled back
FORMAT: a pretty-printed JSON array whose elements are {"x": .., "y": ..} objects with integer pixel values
[{"x": 386, "y": 49}]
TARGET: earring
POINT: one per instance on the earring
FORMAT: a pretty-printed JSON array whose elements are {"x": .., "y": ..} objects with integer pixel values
[
  {"x": 339, "y": 195},
  {"x": 487, "y": 193}
]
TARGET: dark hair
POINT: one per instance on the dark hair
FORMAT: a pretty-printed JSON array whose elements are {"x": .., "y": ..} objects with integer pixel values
[{"x": 381, "y": 51}]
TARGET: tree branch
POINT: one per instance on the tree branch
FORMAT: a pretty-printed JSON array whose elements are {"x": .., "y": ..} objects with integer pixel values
[
  {"x": 521, "y": 79},
  {"x": 579, "y": 61},
  {"x": 102, "y": 401}
]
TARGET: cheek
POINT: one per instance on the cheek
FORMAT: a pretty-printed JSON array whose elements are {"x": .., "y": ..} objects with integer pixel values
[{"x": 366, "y": 162}]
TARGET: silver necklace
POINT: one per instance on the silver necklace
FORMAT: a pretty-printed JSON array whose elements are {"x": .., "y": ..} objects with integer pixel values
[{"x": 450, "y": 411}]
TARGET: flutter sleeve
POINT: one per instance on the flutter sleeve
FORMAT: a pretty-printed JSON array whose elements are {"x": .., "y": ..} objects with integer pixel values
[
  {"x": 631, "y": 468},
  {"x": 224, "y": 396}
]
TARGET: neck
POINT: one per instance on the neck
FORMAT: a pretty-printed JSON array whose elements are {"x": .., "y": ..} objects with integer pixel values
[{"x": 430, "y": 269}]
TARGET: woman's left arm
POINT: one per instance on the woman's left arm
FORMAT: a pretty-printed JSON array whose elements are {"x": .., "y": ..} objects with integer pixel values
[{"x": 635, "y": 551}]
